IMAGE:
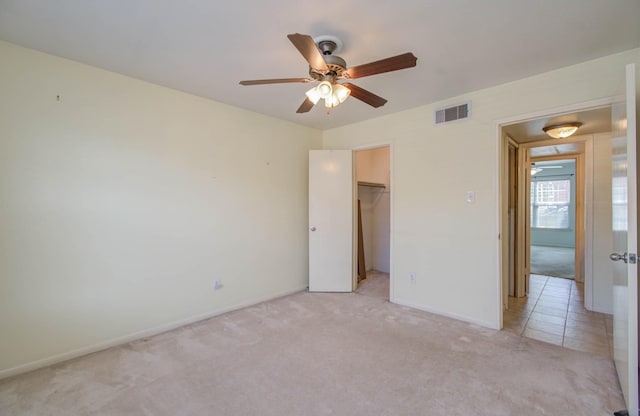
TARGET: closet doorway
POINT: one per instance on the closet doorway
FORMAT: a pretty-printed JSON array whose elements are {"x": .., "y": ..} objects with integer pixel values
[{"x": 373, "y": 176}]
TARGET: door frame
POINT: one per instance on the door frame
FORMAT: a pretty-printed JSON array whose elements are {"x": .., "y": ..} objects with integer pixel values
[
  {"x": 500, "y": 184},
  {"x": 391, "y": 210}
]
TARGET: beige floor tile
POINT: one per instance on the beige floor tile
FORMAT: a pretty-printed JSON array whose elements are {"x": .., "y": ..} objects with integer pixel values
[
  {"x": 587, "y": 335},
  {"x": 543, "y": 336},
  {"x": 595, "y": 324},
  {"x": 577, "y": 293},
  {"x": 542, "y": 317},
  {"x": 554, "y": 296},
  {"x": 608, "y": 323},
  {"x": 588, "y": 338},
  {"x": 557, "y": 312},
  {"x": 516, "y": 311},
  {"x": 548, "y": 310},
  {"x": 557, "y": 289},
  {"x": 558, "y": 283},
  {"x": 556, "y": 329},
  {"x": 552, "y": 303},
  {"x": 514, "y": 327},
  {"x": 522, "y": 302},
  {"x": 584, "y": 316},
  {"x": 599, "y": 349},
  {"x": 516, "y": 316},
  {"x": 576, "y": 304},
  {"x": 583, "y": 332},
  {"x": 534, "y": 294}
]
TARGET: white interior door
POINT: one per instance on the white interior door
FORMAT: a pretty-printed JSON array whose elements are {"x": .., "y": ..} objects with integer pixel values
[
  {"x": 624, "y": 225},
  {"x": 330, "y": 220}
]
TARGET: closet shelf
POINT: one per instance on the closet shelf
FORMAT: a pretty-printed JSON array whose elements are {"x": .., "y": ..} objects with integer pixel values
[{"x": 372, "y": 184}]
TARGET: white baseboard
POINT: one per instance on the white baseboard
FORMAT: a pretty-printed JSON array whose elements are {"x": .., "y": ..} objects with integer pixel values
[
  {"x": 145, "y": 333},
  {"x": 486, "y": 324}
]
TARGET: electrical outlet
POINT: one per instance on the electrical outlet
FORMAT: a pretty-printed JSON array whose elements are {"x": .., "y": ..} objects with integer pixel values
[
  {"x": 217, "y": 284},
  {"x": 412, "y": 278}
]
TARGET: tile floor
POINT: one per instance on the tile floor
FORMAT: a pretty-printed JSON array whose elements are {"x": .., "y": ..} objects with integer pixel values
[{"x": 554, "y": 312}]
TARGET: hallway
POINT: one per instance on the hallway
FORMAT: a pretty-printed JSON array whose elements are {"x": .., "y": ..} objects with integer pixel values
[{"x": 554, "y": 312}]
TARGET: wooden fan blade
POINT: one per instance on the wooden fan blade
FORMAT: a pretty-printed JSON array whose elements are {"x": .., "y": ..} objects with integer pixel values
[
  {"x": 406, "y": 60},
  {"x": 309, "y": 50},
  {"x": 365, "y": 96},
  {"x": 305, "y": 106},
  {"x": 275, "y": 81}
]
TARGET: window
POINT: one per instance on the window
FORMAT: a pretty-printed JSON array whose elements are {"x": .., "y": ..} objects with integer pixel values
[{"x": 550, "y": 202}]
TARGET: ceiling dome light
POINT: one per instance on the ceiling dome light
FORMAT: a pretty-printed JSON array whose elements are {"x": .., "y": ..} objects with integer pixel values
[{"x": 562, "y": 131}]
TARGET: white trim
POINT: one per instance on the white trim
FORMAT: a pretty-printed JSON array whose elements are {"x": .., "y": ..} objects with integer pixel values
[
  {"x": 500, "y": 232},
  {"x": 145, "y": 333},
  {"x": 485, "y": 324},
  {"x": 571, "y": 108},
  {"x": 589, "y": 204}
]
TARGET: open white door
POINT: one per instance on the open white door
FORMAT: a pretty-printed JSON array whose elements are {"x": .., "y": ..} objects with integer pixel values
[
  {"x": 625, "y": 229},
  {"x": 330, "y": 221}
]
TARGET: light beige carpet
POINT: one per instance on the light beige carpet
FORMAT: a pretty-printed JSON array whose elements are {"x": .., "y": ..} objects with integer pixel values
[{"x": 323, "y": 354}]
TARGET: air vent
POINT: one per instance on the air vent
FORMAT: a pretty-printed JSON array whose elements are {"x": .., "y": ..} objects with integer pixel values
[{"x": 457, "y": 112}]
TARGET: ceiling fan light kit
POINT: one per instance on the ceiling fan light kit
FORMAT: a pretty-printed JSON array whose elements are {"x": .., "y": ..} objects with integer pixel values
[
  {"x": 563, "y": 130},
  {"x": 328, "y": 68}
]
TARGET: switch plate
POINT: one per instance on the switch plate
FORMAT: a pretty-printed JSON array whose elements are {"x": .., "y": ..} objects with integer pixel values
[{"x": 471, "y": 197}]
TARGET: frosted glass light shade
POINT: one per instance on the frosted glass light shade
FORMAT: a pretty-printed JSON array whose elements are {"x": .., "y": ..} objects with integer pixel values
[
  {"x": 562, "y": 131},
  {"x": 313, "y": 95},
  {"x": 325, "y": 89},
  {"x": 340, "y": 92}
]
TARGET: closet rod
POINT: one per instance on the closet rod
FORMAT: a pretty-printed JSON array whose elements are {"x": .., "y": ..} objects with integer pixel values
[{"x": 372, "y": 184}]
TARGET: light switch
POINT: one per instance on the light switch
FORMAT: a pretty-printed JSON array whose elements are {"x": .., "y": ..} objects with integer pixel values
[{"x": 471, "y": 197}]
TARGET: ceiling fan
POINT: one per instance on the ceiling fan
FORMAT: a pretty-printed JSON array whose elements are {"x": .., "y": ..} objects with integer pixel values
[{"x": 328, "y": 68}]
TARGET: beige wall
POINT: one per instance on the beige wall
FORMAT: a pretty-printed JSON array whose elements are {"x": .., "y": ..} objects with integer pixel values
[
  {"x": 452, "y": 246},
  {"x": 123, "y": 201}
]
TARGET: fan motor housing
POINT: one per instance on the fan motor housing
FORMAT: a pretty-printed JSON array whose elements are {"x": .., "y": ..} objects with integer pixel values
[{"x": 337, "y": 65}]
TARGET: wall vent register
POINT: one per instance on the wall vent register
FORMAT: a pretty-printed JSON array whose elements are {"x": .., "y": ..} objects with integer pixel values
[{"x": 449, "y": 114}]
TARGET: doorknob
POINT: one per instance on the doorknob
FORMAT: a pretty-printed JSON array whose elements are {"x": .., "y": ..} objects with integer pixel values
[
  {"x": 626, "y": 257},
  {"x": 618, "y": 257},
  {"x": 313, "y": 228}
]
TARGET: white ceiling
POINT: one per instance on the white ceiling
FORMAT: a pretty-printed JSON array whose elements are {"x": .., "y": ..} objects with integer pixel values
[{"x": 205, "y": 47}]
